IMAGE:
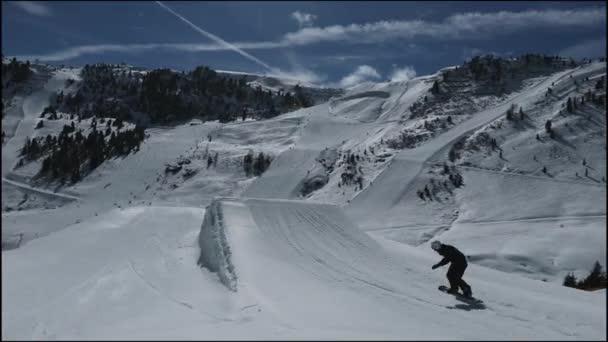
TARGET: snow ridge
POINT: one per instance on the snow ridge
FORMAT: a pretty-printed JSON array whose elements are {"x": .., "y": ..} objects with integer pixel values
[{"x": 215, "y": 251}]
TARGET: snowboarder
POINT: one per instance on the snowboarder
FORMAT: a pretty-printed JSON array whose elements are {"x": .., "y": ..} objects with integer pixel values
[{"x": 459, "y": 264}]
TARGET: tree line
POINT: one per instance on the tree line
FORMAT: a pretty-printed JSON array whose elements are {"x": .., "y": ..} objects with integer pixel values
[
  {"x": 256, "y": 165},
  {"x": 595, "y": 280},
  {"x": 15, "y": 72},
  {"x": 167, "y": 96},
  {"x": 72, "y": 155}
]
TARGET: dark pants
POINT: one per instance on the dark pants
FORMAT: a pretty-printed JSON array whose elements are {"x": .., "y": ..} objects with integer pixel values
[{"x": 455, "y": 277}]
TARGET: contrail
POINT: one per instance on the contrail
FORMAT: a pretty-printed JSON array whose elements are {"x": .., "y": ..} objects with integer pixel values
[{"x": 216, "y": 38}]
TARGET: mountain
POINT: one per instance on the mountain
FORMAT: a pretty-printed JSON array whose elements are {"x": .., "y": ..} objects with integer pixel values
[
  {"x": 314, "y": 223},
  {"x": 276, "y": 84}
]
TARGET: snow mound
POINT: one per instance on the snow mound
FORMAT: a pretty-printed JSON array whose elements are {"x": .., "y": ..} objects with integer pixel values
[
  {"x": 215, "y": 252},
  {"x": 243, "y": 222}
]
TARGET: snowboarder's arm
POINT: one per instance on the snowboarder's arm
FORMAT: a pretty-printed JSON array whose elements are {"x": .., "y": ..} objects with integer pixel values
[{"x": 444, "y": 261}]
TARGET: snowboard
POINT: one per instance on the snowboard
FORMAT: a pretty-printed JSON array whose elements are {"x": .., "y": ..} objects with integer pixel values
[{"x": 460, "y": 296}]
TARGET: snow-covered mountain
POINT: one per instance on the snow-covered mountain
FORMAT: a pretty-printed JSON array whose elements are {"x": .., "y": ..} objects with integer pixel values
[
  {"x": 316, "y": 223},
  {"x": 318, "y": 94}
]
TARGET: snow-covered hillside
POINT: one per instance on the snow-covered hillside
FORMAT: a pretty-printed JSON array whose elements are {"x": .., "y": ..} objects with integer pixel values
[{"x": 179, "y": 240}]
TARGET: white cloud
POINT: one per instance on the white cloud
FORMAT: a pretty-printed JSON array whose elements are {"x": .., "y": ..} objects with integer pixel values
[
  {"x": 299, "y": 71},
  {"x": 588, "y": 49},
  {"x": 459, "y": 26},
  {"x": 303, "y": 19},
  {"x": 343, "y": 58},
  {"x": 363, "y": 73},
  {"x": 34, "y": 8},
  {"x": 78, "y": 51},
  {"x": 402, "y": 74},
  {"x": 305, "y": 76}
]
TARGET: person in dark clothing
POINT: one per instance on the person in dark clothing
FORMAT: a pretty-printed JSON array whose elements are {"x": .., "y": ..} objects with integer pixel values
[{"x": 458, "y": 266}]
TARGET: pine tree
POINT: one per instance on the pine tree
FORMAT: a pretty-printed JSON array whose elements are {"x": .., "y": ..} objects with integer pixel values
[
  {"x": 569, "y": 107},
  {"x": 548, "y": 126},
  {"x": 435, "y": 89},
  {"x": 521, "y": 113},
  {"x": 258, "y": 164},
  {"x": 509, "y": 114},
  {"x": 247, "y": 163},
  {"x": 459, "y": 180},
  {"x": 452, "y": 155},
  {"x": 570, "y": 280},
  {"x": 595, "y": 278},
  {"x": 600, "y": 84}
]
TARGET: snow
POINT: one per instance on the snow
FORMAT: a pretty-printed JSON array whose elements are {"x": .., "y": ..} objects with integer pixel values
[
  {"x": 303, "y": 270},
  {"x": 407, "y": 164},
  {"x": 265, "y": 80},
  {"x": 551, "y": 198},
  {"x": 134, "y": 252}
]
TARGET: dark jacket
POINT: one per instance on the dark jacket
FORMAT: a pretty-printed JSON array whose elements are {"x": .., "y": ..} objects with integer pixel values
[{"x": 451, "y": 254}]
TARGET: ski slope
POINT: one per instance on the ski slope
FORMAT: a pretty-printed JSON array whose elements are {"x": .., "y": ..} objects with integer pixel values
[
  {"x": 386, "y": 196},
  {"x": 122, "y": 257},
  {"x": 301, "y": 271}
]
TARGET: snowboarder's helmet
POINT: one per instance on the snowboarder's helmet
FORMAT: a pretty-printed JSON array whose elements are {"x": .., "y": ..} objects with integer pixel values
[{"x": 436, "y": 245}]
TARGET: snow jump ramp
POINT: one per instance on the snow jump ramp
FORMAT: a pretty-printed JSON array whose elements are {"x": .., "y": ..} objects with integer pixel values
[
  {"x": 308, "y": 268},
  {"x": 317, "y": 237}
]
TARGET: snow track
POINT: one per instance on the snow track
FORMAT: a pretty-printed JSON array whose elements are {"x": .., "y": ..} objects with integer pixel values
[{"x": 40, "y": 191}]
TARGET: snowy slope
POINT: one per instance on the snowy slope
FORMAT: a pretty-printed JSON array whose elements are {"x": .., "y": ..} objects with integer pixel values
[
  {"x": 334, "y": 262},
  {"x": 407, "y": 164},
  {"x": 302, "y": 270}
]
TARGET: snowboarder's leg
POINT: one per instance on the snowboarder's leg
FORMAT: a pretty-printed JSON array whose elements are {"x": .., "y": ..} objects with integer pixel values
[
  {"x": 463, "y": 285},
  {"x": 453, "y": 279},
  {"x": 466, "y": 289}
]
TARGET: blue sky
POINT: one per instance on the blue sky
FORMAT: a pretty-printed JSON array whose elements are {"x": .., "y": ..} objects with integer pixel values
[{"x": 332, "y": 43}]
